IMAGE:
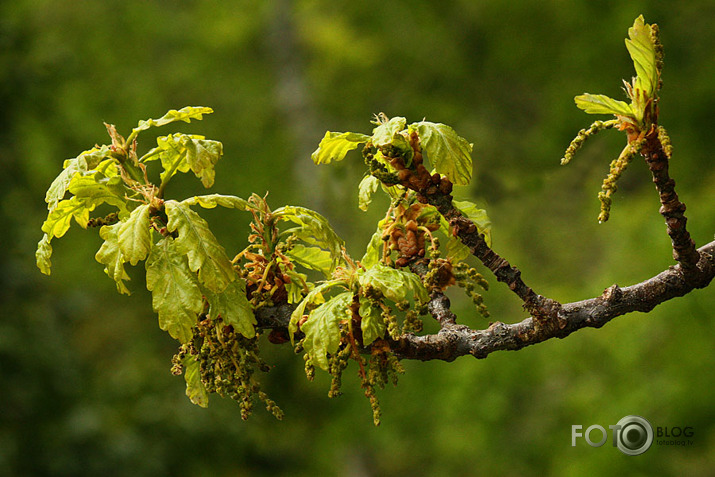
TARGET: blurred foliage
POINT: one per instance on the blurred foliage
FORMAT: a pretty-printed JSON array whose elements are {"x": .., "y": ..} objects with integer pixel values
[{"x": 87, "y": 388}]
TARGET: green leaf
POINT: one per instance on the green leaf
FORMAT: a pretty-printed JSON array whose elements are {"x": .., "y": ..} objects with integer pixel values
[
  {"x": 212, "y": 200},
  {"x": 388, "y": 133},
  {"x": 175, "y": 292},
  {"x": 641, "y": 47},
  {"x": 314, "y": 296},
  {"x": 335, "y": 145},
  {"x": 110, "y": 255},
  {"x": 195, "y": 389},
  {"x": 602, "y": 104},
  {"x": 314, "y": 258},
  {"x": 96, "y": 187},
  {"x": 478, "y": 216},
  {"x": 315, "y": 229},
  {"x": 184, "y": 152},
  {"x": 449, "y": 153},
  {"x": 372, "y": 324},
  {"x": 135, "y": 235},
  {"x": 195, "y": 239},
  {"x": 373, "y": 251},
  {"x": 322, "y": 328},
  {"x": 59, "y": 219},
  {"x": 367, "y": 187},
  {"x": 395, "y": 285},
  {"x": 184, "y": 114},
  {"x": 86, "y": 161},
  {"x": 233, "y": 306},
  {"x": 43, "y": 254}
]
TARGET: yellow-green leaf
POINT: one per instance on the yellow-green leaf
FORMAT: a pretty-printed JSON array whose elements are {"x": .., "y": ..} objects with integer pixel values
[
  {"x": 233, "y": 306},
  {"x": 206, "y": 256},
  {"x": 449, "y": 153},
  {"x": 195, "y": 389},
  {"x": 372, "y": 323},
  {"x": 335, "y": 145},
  {"x": 135, "y": 235},
  {"x": 110, "y": 255},
  {"x": 43, "y": 254},
  {"x": 175, "y": 292},
  {"x": 212, "y": 200},
  {"x": 602, "y": 104},
  {"x": 367, "y": 187},
  {"x": 322, "y": 328},
  {"x": 641, "y": 47},
  {"x": 184, "y": 114},
  {"x": 59, "y": 219},
  {"x": 395, "y": 285}
]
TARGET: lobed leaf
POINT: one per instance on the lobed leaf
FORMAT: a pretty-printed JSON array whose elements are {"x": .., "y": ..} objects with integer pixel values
[
  {"x": 315, "y": 229},
  {"x": 43, "y": 254},
  {"x": 175, "y": 291},
  {"x": 372, "y": 324},
  {"x": 184, "y": 114},
  {"x": 335, "y": 145},
  {"x": 366, "y": 189},
  {"x": 184, "y": 152},
  {"x": 395, "y": 285},
  {"x": 195, "y": 389},
  {"x": 641, "y": 47},
  {"x": 322, "y": 328},
  {"x": 314, "y": 258},
  {"x": 205, "y": 255},
  {"x": 59, "y": 219},
  {"x": 602, "y": 104},
  {"x": 110, "y": 255},
  {"x": 86, "y": 161},
  {"x": 314, "y": 296},
  {"x": 450, "y": 154},
  {"x": 233, "y": 306},
  {"x": 373, "y": 250},
  {"x": 134, "y": 235},
  {"x": 212, "y": 200}
]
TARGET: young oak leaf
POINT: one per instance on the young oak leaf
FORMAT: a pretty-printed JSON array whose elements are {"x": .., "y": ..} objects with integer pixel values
[
  {"x": 86, "y": 161},
  {"x": 184, "y": 114},
  {"x": 314, "y": 296},
  {"x": 134, "y": 235},
  {"x": 59, "y": 219},
  {"x": 195, "y": 389},
  {"x": 315, "y": 229},
  {"x": 175, "y": 293},
  {"x": 478, "y": 216},
  {"x": 372, "y": 324},
  {"x": 184, "y": 152},
  {"x": 233, "y": 306},
  {"x": 43, "y": 254},
  {"x": 110, "y": 255},
  {"x": 335, "y": 145},
  {"x": 206, "y": 256},
  {"x": 450, "y": 154},
  {"x": 641, "y": 47},
  {"x": 210, "y": 201},
  {"x": 314, "y": 258},
  {"x": 368, "y": 186},
  {"x": 395, "y": 285},
  {"x": 322, "y": 328},
  {"x": 602, "y": 104}
]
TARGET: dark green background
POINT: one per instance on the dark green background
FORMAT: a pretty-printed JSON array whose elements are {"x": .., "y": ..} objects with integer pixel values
[{"x": 86, "y": 388}]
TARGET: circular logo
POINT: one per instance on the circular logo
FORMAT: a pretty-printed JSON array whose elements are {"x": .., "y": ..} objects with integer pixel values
[{"x": 634, "y": 436}]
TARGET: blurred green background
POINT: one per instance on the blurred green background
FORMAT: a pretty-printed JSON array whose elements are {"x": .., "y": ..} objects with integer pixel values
[{"x": 85, "y": 371}]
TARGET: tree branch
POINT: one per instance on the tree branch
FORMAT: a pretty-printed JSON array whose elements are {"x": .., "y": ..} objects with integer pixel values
[
  {"x": 673, "y": 211},
  {"x": 455, "y": 340}
]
